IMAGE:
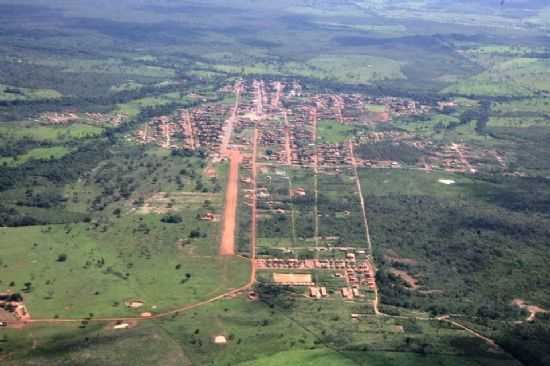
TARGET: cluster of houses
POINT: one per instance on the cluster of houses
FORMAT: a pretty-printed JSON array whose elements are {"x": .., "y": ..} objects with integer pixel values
[
  {"x": 55, "y": 118},
  {"x": 328, "y": 264},
  {"x": 357, "y": 274},
  {"x": 100, "y": 119},
  {"x": 200, "y": 127}
]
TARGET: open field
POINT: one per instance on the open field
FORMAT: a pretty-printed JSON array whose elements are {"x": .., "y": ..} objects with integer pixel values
[
  {"x": 73, "y": 273},
  {"x": 37, "y": 154},
  {"x": 314, "y": 333},
  {"x": 517, "y": 77},
  {"x": 9, "y": 94},
  {"x": 43, "y": 133}
]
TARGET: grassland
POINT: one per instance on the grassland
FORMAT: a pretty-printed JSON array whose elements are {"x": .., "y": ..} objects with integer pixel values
[
  {"x": 145, "y": 259},
  {"x": 49, "y": 133},
  {"x": 532, "y": 105},
  {"x": 45, "y": 153},
  {"x": 276, "y": 329},
  {"x": 132, "y": 108},
  {"x": 349, "y": 69},
  {"x": 10, "y": 93},
  {"x": 332, "y": 132},
  {"x": 516, "y": 77}
]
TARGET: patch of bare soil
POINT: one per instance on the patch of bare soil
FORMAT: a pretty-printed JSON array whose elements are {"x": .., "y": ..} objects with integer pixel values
[
  {"x": 210, "y": 171},
  {"x": 406, "y": 276},
  {"x": 227, "y": 244},
  {"x": 121, "y": 324},
  {"x": 533, "y": 310}
]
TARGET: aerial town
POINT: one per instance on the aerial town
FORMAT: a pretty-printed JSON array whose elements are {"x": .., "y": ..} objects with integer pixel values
[
  {"x": 289, "y": 122},
  {"x": 269, "y": 124}
]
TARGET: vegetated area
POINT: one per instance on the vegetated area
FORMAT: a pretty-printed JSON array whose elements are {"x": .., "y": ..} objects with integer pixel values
[{"x": 113, "y": 171}]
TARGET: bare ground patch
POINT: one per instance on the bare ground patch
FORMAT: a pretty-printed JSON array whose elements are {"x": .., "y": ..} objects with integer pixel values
[
  {"x": 533, "y": 310},
  {"x": 406, "y": 276}
]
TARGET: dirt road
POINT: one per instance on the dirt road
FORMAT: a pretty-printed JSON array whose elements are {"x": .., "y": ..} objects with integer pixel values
[
  {"x": 376, "y": 300},
  {"x": 254, "y": 203},
  {"x": 313, "y": 117},
  {"x": 228, "y": 126},
  {"x": 288, "y": 148},
  {"x": 227, "y": 243},
  {"x": 276, "y": 100},
  {"x": 187, "y": 126}
]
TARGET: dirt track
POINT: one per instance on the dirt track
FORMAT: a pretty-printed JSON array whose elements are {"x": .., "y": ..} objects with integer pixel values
[
  {"x": 376, "y": 301},
  {"x": 227, "y": 242},
  {"x": 253, "y": 214}
]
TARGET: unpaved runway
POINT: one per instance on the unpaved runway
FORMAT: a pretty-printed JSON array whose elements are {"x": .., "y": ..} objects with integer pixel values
[{"x": 227, "y": 243}]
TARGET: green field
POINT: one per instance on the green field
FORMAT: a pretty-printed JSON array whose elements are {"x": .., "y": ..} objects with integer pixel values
[
  {"x": 36, "y": 154},
  {"x": 314, "y": 333},
  {"x": 54, "y": 133},
  {"x": 134, "y": 258},
  {"x": 350, "y": 69},
  {"x": 516, "y": 77},
  {"x": 332, "y": 132},
  {"x": 10, "y": 93},
  {"x": 132, "y": 108}
]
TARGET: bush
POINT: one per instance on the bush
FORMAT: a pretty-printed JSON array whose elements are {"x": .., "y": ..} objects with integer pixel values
[
  {"x": 172, "y": 219},
  {"x": 61, "y": 258}
]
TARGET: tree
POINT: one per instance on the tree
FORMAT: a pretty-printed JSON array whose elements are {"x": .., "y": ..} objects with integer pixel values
[{"x": 172, "y": 219}]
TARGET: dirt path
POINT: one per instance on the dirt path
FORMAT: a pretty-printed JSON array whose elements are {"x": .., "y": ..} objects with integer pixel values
[
  {"x": 313, "y": 117},
  {"x": 166, "y": 133},
  {"x": 254, "y": 204},
  {"x": 376, "y": 300},
  {"x": 227, "y": 243},
  {"x": 275, "y": 101},
  {"x": 188, "y": 129},
  {"x": 339, "y": 105},
  {"x": 462, "y": 158},
  {"x": 292, "y": 211},
  {"x": 258, "y": 98},
  {"x": 288, "y": 147}
]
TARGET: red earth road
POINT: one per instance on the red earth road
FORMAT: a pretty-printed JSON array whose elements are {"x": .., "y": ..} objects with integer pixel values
[{"x": 227, "y": 243}]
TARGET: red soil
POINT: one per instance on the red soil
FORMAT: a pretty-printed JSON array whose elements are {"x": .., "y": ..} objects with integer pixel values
[{"x": 227, "y": 244}]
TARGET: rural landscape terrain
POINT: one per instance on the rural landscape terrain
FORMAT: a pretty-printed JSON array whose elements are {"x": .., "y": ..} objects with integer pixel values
[{"x": 300, "y": 182}]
